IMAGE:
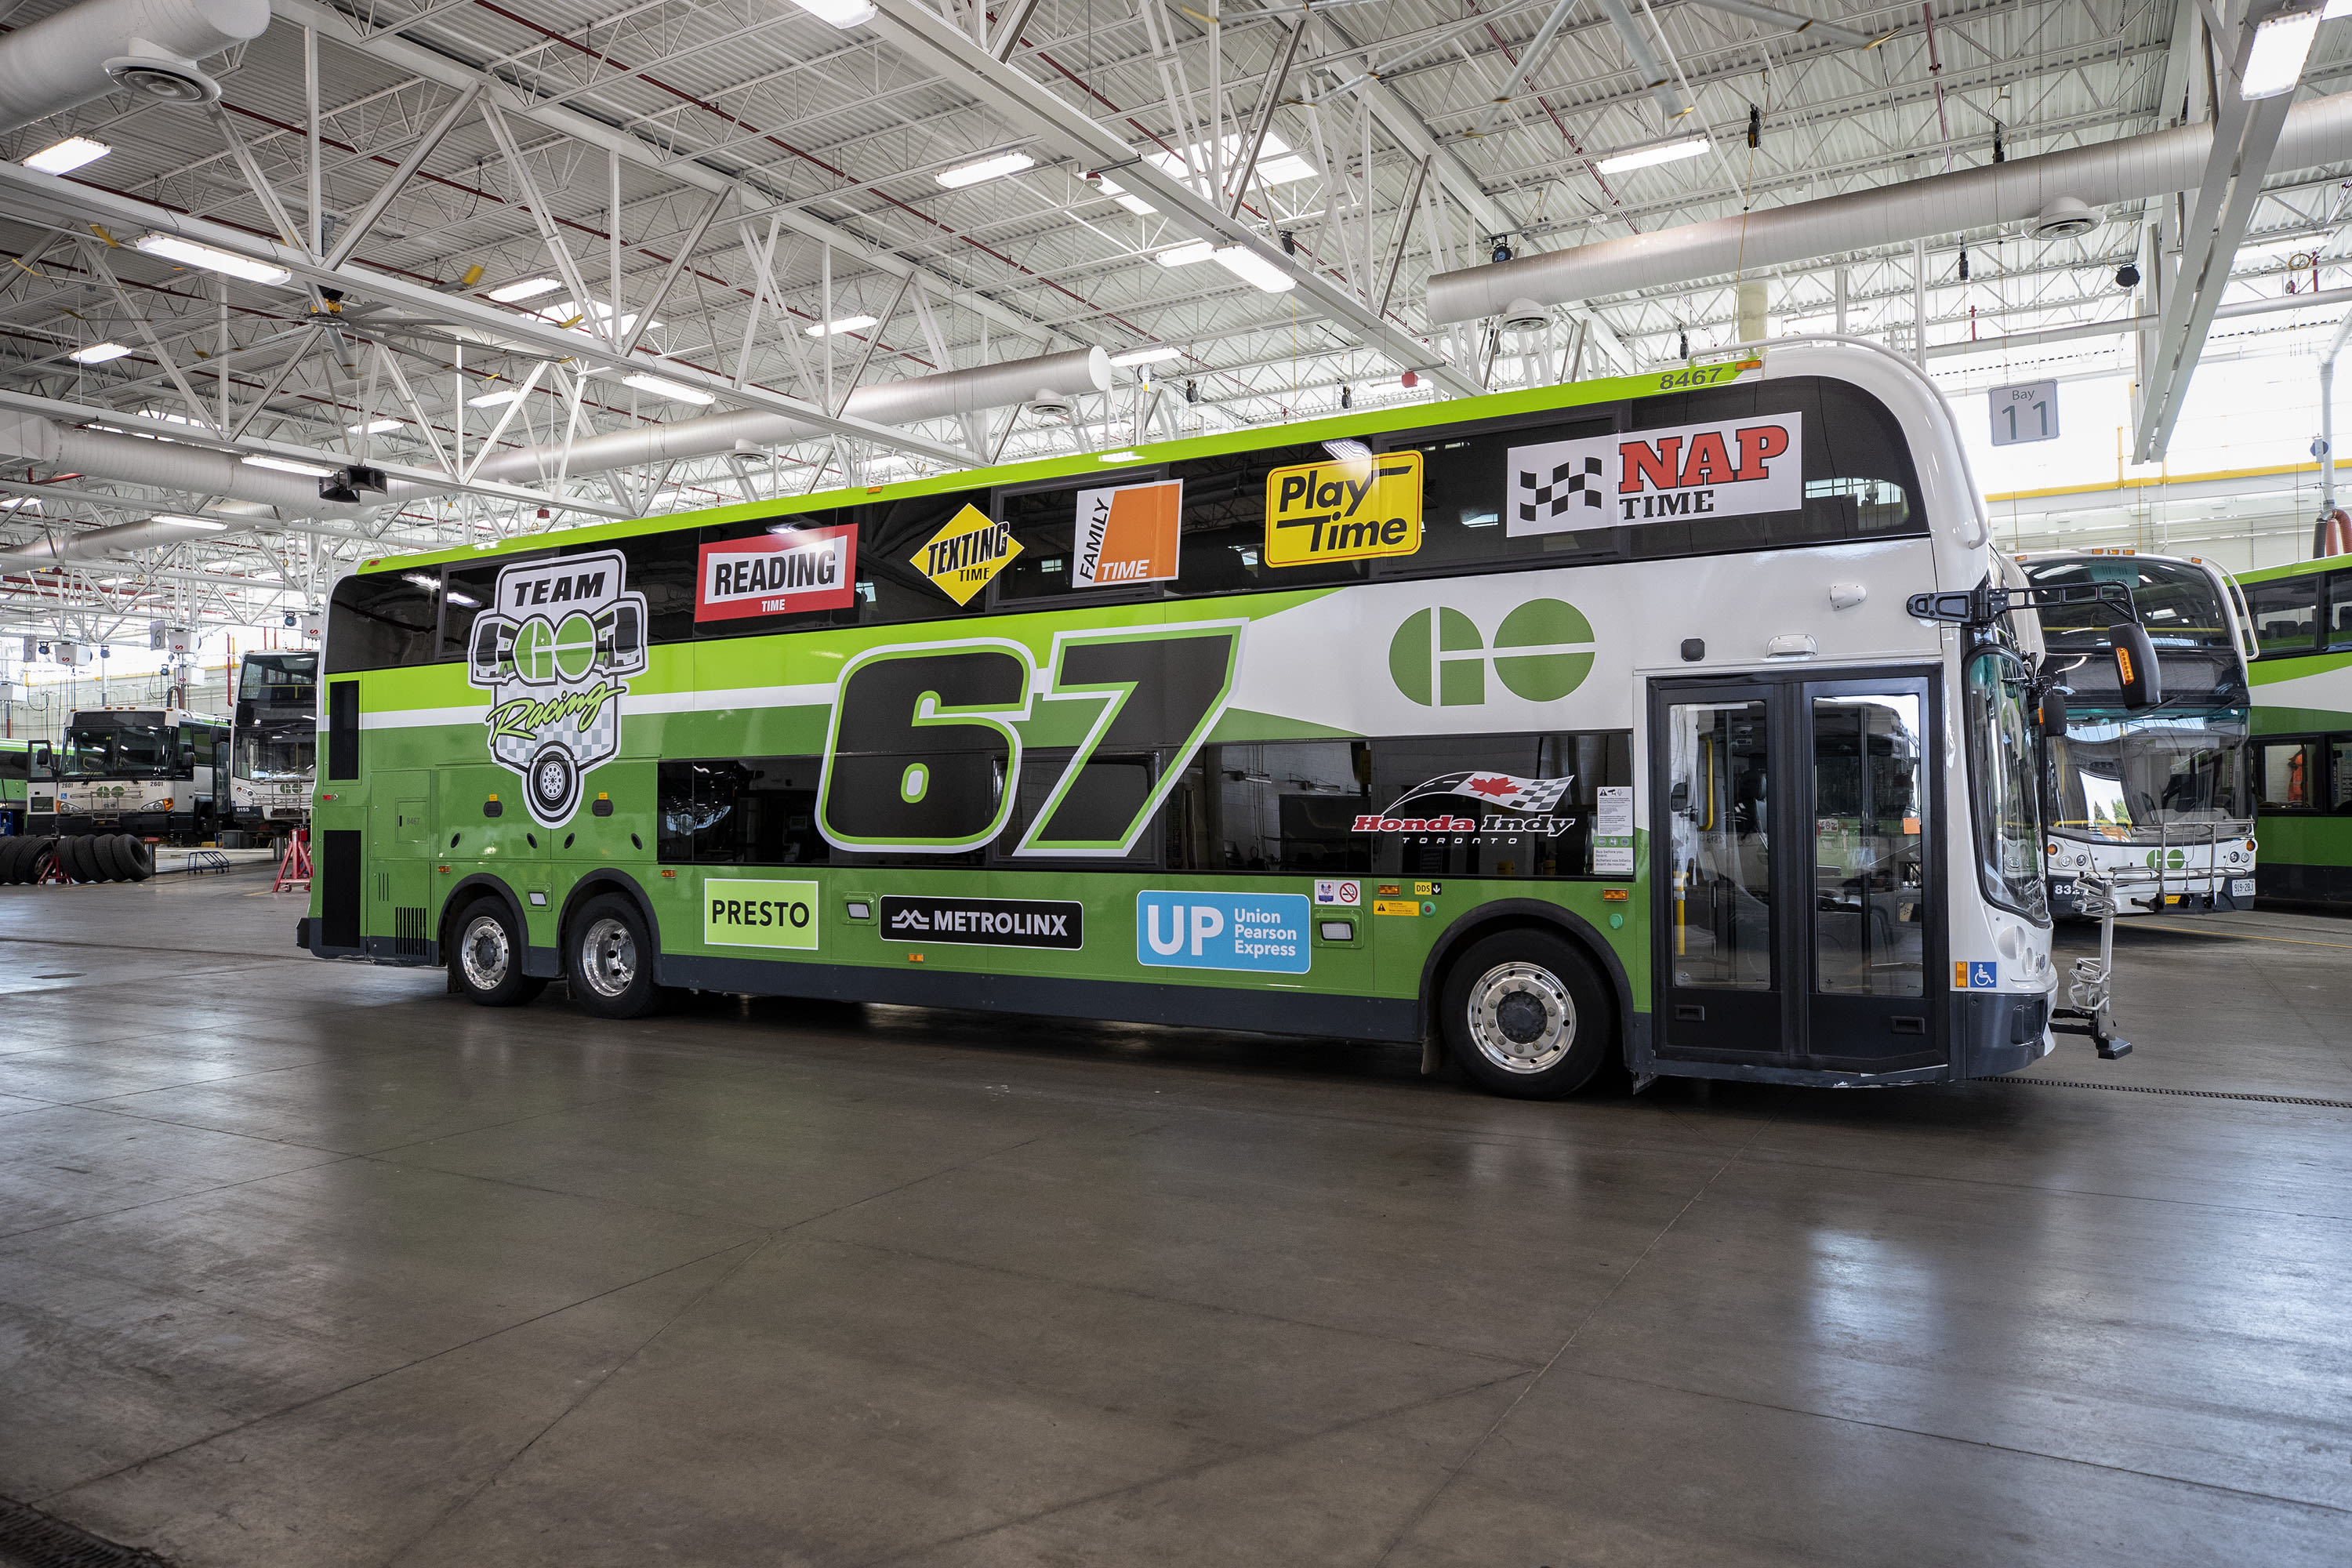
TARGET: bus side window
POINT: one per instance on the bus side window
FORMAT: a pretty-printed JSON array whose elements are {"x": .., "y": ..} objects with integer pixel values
[
  {"x": 2339, "y": 774},
  {"x": 466, "y": 592},
  {"x": 2339, "y": 610},
  {"x": 2286, "y": 776},
  {"x": 1289, "y": 806},
  {"x": 344, "y": 730},
  {"x": 2287, "y": 615},
  {"x": 891, "y": 536},
  {"x": 1527, "y": 802},
  {"x": 662, "y": 567},
  {"x": 382, "y": 619},
  {"x": 1223, "y": 536},
  {"x": 1467, "y": 518}
]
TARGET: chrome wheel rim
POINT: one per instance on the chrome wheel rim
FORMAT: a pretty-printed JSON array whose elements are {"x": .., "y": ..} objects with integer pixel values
[
  {"x": 484, "y": 953},
  {"x": 1522, "y": 1018},
  {"x": 608, "y": 957}
]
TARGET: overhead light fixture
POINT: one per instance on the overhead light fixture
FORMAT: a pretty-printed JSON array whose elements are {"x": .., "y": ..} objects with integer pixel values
[
  {"x": 64, "y": 157},
  {"x": 1276, "y": 163},
  {"x": 994, "y": 168},
  {"x": 503, "y": 395},
  {"x": 838, "y": 12},
  {"x": 1152, "y": 355},
  {"x": 2274, "y": 64},
  {"x": 1650, "y": 153},
  {"x": 1117, "y": 457},
  {"x": 524, "y": 289},
  {"x": 98, "y": 354},
  {"x": 180, "y": 520},
  {"x": 289, "y": 465},
  {"x": 1253, "y": 269},
  {"x": 374, "y": 427},
  {"x": 188, "y": 253},
  {"x": 835, "y": 329},
  {"x": 661, "y": 388},
  {"x": 1186, "y": 254},
  {"x": 1142, "y": 208}
]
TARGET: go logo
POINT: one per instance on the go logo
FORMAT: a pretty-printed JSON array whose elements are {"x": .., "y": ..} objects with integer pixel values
[
  {"x": 2168, "y": 861},
  {"x": 1542, "y": 651},
  {"x": 545, "y": 652}
]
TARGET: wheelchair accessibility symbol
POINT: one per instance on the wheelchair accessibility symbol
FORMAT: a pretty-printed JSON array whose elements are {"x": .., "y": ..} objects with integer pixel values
[{"x": 1980, "y": 974}]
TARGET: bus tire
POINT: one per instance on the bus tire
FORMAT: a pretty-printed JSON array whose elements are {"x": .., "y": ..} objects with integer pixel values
[
  {"x": 609, "y": 956},
  {"x": 39, "y": 856},
  {"x": 487, "y": 957},
  {"x": 107, "y": 849},
  {"x": 79, "y": 854},
  {"x": 1527, "y": 1016},
  {"x": 138, "y": 860},
  {"x": 14, "y": 861},
  {"x": 555, "y": 784}
]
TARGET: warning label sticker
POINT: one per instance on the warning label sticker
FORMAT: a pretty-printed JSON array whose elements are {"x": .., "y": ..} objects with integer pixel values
[
  {"x": 1345, "y": 509},
  {"x": 966, "y": 554}
]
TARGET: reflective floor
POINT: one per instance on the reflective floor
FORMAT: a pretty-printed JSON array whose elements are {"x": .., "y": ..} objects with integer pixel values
[{"x": 311, "y": 1264}]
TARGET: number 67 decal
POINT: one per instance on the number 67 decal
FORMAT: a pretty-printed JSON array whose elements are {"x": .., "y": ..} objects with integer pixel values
[{"x": 923, "y": 756}]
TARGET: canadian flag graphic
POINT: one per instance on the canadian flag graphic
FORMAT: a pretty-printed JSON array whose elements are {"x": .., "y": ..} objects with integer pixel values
[{"x": 1506, "y": 790}]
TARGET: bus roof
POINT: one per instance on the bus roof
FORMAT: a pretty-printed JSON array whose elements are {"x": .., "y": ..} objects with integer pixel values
[
  {"x": 2299, "y": 569},
  {"x": 1372, "y": 422}
]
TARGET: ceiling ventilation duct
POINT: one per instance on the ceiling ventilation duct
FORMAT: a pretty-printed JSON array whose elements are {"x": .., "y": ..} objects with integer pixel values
[
  {"x": 2066, "y": 218},
  {"x": 2018, "y": 192},
  {"x": 148, "y": 46}
]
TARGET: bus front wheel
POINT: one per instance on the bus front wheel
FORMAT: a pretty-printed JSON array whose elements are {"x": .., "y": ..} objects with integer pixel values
[
  {"x": 612, "y": 960},
  {"x": 489, "y": 959},
  {"x": 1526, "y": 1015}
]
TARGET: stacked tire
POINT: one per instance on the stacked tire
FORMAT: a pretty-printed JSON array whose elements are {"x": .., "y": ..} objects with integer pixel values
[{"x": 82, "y": 857}]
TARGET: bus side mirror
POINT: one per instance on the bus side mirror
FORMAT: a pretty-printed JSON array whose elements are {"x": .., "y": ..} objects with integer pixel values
[
  {"x": 1679, "y": 800},
  {"x": 2137, "y": 676},
  {"x": 39, "y": 765},
  {"x": 2053, "y": 715}
]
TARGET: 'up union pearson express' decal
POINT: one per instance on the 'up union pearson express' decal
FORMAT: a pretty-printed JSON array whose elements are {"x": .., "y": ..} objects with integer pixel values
[{"x": 551, "y": 653}]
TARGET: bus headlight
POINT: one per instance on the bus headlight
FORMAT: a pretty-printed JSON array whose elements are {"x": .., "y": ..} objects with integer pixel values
[{"x": 164, "y": 803}]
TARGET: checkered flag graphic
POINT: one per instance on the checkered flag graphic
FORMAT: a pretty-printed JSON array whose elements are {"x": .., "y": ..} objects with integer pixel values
[{"x": 1535, "y": 496}]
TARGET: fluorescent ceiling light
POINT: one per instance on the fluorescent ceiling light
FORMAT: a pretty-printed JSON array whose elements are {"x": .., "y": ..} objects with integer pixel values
[
  {"x": 1186, "y": 254},
  {"x": 835, "y": 329},
  {"x": 1151, "y": 355},
  {"x": 1142, "y": 208},
  {"x": 838, "y": 12},
  {"x": 1276, "y": 163},
  {"x": 188, "y": 253},
  {"x": 661, "y": 388},
  {"x": 994, "y": 168},
  {"x": 2276, "y": 63},
  {"x": 1655, "y": 152},
  {"x": 504, "y": 395},
  {"x": 289, "y": 466},
  {"x": 524, "y": 289},
  {"x": 1251, "y": 267},
  {"x": 98, "y": 354},
  {"x": 374, "y": 427},
  {"x": 64, "y": 157},
  {"x": 1117, "y": 457},
  {"x": 177, "y": 520}
]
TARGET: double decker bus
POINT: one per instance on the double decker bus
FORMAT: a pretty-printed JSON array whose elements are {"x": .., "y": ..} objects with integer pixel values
[
  {"x": 148, "y": 772},
  {"x": 2158, "y": 800},
  {"x": 274, "y": 741},
  {"x": 15, "y": 778},
  {"x": 2301, "y": 674},
  {"x": 1575, "y": 727}
]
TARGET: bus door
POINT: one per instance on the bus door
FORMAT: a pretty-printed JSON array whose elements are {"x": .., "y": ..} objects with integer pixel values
[
  {"x": 400, "y": 872},
  {"x": 1797, "y": 921}
]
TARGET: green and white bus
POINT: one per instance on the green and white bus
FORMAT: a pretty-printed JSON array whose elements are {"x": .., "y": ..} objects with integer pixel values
[
  {"x": 2155, "y": 800},
  {"x": 1570, "y": 728},
  {"x": 16, "y": 774},
  {"x": 2302, "y": 678}
]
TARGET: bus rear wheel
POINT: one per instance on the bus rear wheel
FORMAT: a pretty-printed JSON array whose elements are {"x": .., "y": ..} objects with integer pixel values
[
  {"x": 488, "y": 960},
  {"x": 611, "y": 960},
  {"x": 1527, "y": 1016}
]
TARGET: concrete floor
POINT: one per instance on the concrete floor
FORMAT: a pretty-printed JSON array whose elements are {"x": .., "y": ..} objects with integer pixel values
[{"x": 311, "y": 1264}]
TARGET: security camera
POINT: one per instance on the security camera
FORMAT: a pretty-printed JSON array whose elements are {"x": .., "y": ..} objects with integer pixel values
[{"x": 288, "y": 622}]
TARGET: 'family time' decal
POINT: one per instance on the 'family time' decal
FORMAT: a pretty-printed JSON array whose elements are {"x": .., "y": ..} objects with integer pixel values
[{"x": 551, "y": 653}]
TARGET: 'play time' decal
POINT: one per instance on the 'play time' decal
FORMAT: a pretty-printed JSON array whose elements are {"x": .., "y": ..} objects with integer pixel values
[
  {"x": 1735, "y": 467},
  {"x": 1346, "y": 509}
]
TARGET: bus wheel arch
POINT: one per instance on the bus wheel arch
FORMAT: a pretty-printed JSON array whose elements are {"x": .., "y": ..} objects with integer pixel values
[
  {"x": 458, "y": 904},
  {"x": 608, "y": 883},
  {"x": 487, "y": 952},
  {"x": 1543, "y": 922}
]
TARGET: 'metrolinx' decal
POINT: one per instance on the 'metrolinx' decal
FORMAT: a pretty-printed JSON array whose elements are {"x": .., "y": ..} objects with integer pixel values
[
  {"x": 551, "y": 653},
  {"x": 1731, "y": 468},
  {"x": 779, "y": 573},
  {"x": 1504, "y": 802},
  {"x": 985, "y": 922},
  {"x": 1127, "y": 534}
]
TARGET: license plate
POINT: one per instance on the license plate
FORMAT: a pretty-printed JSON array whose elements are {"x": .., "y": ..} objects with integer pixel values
[{"x": 2241, "y": 887}]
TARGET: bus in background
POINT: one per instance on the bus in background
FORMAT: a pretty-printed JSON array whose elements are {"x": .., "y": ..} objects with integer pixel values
[
  {"x": 274, "y": 744},
  {"x": 1588, "y": 726},
  {"x": 147, "y": 772},
  {"x": 2303, "y": 728},
  {"x": 15, "y": 778},
  {"x": 2157, "y": 799}
]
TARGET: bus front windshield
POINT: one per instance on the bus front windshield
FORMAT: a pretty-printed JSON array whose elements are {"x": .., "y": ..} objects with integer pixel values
[
  {"x": 128, "y": 750},
  {"x": 2147, "y": 780},
  {"x": 277, "y": 756},
  {"x": 2001, "y": 784},
  {"x": 286, "y": 681}
]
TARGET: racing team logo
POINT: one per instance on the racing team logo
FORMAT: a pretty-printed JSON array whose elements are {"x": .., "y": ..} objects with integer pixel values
[
  {"x": 551, "y": 653},
  {"x": 1435, "y": 805}
]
